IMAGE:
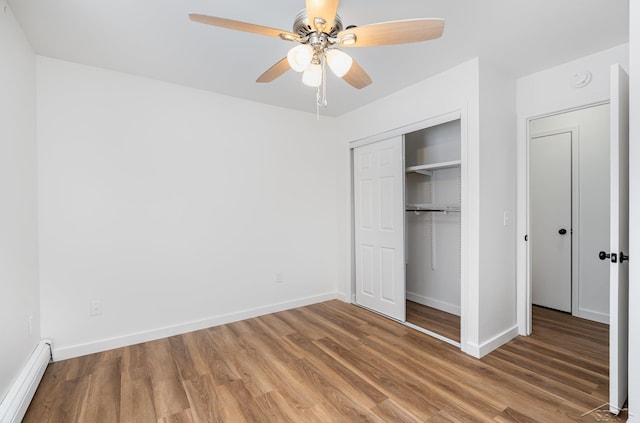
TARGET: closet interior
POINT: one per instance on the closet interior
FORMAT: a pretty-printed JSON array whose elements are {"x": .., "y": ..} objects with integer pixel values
[{"x": 433, "y": 228}]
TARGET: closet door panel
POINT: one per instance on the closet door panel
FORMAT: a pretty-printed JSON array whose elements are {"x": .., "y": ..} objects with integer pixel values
[
  {"x": 387, "y": 274},
  {"x": 367, "y": 270},
  {"x": 386, "y": 206},
  {"x": 379, "y": 238},
  {"x": 366, "y": 204}
]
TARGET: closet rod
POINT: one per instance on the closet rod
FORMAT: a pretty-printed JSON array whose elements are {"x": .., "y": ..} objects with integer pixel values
[{"x": 434, "y": 210}]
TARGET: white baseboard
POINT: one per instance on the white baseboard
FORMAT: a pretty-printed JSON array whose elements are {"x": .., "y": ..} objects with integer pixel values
[
  {"x": 72, "y": 351},
  {"x": 341, "y": 296},
  {"x": 15, "y": 403},
  {"x": 479, "y": 351},
  {"x": 592, "y": 315},
  {"x": 437, "y": 304}
]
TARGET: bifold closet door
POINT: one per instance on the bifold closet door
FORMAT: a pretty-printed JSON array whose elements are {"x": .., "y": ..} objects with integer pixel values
[{"x": 378, "y": 174}]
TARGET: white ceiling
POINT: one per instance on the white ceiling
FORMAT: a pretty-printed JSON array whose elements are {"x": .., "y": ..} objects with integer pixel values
[{"x": 154, "y": 38}]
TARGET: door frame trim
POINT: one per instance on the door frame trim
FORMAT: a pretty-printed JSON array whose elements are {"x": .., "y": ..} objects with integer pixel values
[{"x": 402, "y": 130}]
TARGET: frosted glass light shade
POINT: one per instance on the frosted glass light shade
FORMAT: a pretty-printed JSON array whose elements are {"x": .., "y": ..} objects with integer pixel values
[
  {"x": 312, "y": 75},
  {"x": 299, "y": 57},
  {"x": 339, "y": 62}
]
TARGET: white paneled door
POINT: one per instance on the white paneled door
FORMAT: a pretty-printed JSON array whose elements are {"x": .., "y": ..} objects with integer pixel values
[
  {"x": 378, "y": 174},
  {"x": 550, "y": 197},
  {"x": 619, "y": 247}
]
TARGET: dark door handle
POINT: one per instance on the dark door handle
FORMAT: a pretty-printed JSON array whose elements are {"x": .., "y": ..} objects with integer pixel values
[
  {"x": 623, "y": 258},
  {"x": 562, "y": 231},
  {"x": 603, "y": 256}
]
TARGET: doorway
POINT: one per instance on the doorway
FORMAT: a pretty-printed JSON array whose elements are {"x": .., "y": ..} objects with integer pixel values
[
  {"x": 433, "y": 230},
  {"x": 613, "y": 300},
  {"x": 569, "y": 211}
]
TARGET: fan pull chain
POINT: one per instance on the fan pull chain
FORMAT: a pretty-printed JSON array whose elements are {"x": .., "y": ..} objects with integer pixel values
[
  {"x": 318, "y": 103},
  {"x": 321, "y": 96},
  {"x": 324, "y": 80}
]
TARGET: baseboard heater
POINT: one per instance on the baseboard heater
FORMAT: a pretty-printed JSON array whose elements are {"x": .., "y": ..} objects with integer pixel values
[{"x": 14, "y": 406}]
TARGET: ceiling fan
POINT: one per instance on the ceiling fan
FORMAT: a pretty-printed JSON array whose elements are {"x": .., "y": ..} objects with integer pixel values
[{"x": 319, "y": 31}]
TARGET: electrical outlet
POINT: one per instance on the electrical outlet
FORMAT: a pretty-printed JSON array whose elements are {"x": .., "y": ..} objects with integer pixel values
[
  {"x": 95, "y": 308},
  {"x": 279, "y": 277}
]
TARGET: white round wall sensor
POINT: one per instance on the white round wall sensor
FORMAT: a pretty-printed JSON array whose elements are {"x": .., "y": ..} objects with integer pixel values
[{"x": 581, "y": 79}]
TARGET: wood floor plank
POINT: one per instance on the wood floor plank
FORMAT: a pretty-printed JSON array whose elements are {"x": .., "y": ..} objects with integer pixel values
[
  {"x": 261, "y": 352},
  {"x": 168, "y": 394},
  {"x": 392, "y": 384},
  {"x": 136, "y": 401},
  {"x": 68, "y": 404},
  {"x": 332, "y": 362},
  {"x": 362, "y": 389},
  {"x": 335, "y": 394},
  {"x": 104, "y": 387},
  {"x": 47, "y": 395},
  {"x": 277, "y": 325},
  {"x": 134, "y": 363},
  {"x": 180, "y": 417},
  {"x": 204, "y": 400},
  {"x": 188, "y": 361},
  {"x": 389, "y": 411},
  {"x": 249, "y": 409},
  {"x": 216, "y": 355},
  {"x": 456, "y": 393},
  {"x": 437, "y": 321},
  {"x": 230, "y": 408}
]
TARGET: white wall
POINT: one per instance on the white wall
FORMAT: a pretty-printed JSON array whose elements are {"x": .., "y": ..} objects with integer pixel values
[
  {"x": 176, "y": 208},
  {"x": 546, "y": 92},
  {"x": 19, "y": 298},
  {"x": 497, "y": 193},
  {"x": 459, "y": 89},
  {"x": 634, "y": 211}
]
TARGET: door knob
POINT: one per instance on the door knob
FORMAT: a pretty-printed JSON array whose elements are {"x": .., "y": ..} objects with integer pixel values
[
  {"x": 623, "y": 258},
  {"x": 562, "y": 231},
  {"x": 603, "y": 256}
]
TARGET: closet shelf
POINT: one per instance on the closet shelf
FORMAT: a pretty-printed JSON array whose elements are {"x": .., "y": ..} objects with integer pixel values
[
  {"x": 427, "y": 168},
  {"x": 433, "y": 207}
]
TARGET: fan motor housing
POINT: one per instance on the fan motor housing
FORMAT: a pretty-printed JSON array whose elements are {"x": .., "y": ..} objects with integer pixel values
[{"x": 303, "y": 27}]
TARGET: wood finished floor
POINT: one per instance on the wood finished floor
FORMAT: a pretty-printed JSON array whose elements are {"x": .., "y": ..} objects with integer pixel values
[
  {"x": 332, "y": 362},
  {"x": 437, "y": 321}
]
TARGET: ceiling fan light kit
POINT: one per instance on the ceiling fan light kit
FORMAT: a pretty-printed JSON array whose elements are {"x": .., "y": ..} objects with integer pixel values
[
  {"x": 300, "y": 57},
  {"x": 319, "y": 30},
  {"x": 312, "y": 75},
  {"x": 339, "y": 62}
]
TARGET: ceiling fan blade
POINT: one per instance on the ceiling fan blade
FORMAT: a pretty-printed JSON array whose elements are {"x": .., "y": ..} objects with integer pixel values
[
  {"x": 396, "y": 32},
  {"x": 357, "y": 76},
  {"x": 323, "y": 9},
  {"x": 275, "y": 71},
  {"x": 243, "y": 26}
]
